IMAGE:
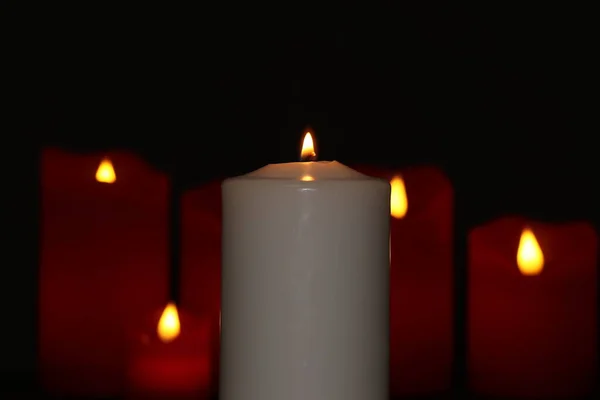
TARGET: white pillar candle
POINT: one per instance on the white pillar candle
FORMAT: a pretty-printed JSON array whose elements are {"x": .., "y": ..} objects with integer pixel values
[{"x": 305, "y": 284}]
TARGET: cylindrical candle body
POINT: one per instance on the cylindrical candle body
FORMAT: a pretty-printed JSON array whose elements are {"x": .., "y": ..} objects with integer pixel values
[
  {"x": 420, "y": 282},
  {"x": 177, "y": 370},
  {"x": 532, "y": 336},
  {"x": 201, "y": 262},
  {"x": 305, "y": 285},
  {"x": 103, "y": 264}
]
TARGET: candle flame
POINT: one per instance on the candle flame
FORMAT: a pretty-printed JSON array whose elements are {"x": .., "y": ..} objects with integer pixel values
[
  {"x": 398, "y": 199},
  {"x": 530, "y": 258},
  {"x": 308, "y": 148},
  {"x": 168, "y": 326},
  {"x": 105, "y": 172}
]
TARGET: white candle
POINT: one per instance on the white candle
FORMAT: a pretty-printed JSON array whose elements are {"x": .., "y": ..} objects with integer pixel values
[{"x": 305, "y": 284}]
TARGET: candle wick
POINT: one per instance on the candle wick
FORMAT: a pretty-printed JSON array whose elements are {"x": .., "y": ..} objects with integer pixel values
[{"x": 309, "y": 157}]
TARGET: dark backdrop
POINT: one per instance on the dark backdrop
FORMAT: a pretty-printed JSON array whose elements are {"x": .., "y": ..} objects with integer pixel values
[{"x": 500, "y": 97}]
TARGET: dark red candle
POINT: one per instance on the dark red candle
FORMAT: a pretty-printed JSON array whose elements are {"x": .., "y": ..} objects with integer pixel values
[
  {"x": 421, "y": 279},
  {"x": 103, "y": 263},
  {"x": 201, "y": 261},
  {"x": 170, "y": 357},
  {"x": 532, "y": 309}
]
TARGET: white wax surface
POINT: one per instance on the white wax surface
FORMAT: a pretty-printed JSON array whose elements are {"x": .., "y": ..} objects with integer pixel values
[
  {"x": 298, "y": 170},
  {"x": 305, "y": 284}
]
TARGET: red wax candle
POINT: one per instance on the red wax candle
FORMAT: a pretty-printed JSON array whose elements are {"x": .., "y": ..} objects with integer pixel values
[
  {"x": 170, "y": 358},
  {"x": 421, "y": 279},
  {"x": 103, "y": 263},
  {"x": 201, "y": 250},
  {"x": 532, "y": 309},
  {"x": 201, "y": 261}
]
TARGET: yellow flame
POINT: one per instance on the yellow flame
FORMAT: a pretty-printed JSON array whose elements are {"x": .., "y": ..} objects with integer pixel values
[
  {"x": 105, "y": 172},
  {"x": 308, "y": 148},
  {"x": 530, "y": 258},
  {"x": 398, "y": 199},
  {"x": 168, "y": 326}
]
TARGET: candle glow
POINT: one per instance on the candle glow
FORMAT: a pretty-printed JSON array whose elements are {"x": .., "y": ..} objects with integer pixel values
[
  {"x": 105, "y": 172},
  {"x": 530, "y": 258},
  {"x": 398, "y": 199},
  {"x": 168, "y": 328}
]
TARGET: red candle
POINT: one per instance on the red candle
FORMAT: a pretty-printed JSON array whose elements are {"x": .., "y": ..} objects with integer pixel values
[
  {"x": 170, "y": 358},
  {"x": 201, "y": 261},
  {"x": 201, "y": 250},
  {"x": 532, "y": 309},
  {"x": 421, "y": 280},
  {"x": 103, "y": 263}
]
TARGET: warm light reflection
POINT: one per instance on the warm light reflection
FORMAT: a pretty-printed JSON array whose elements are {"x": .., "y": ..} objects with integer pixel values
[
  {"x": 398, "y": 199},
  {"x": 105, "y": 172},
  {"x": 168, "y": 326},
  {"x": 530, "y": 257},
  {"x": 308, "y": 148},
  {"x": 307, "y": 178}
]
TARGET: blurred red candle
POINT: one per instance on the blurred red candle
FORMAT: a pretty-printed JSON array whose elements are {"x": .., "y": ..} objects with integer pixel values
[
  {"x": 103, "y": 263},
  {"x": 170, "y": 358},
  {"x": 201, "y": 250},
  {"x": 421, "y": 280},
  {"x": 201, "y": 261},
  {"x": 532, "y": 309}
]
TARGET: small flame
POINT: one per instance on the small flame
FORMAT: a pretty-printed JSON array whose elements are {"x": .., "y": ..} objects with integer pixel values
[
  {"x": 168, "y": 326},
  {"x": 398, "y": 199},
  {"x": 308, "y": 148},
  {"x": 530, "y": 258},
  {"x": 105, "y": 172}
]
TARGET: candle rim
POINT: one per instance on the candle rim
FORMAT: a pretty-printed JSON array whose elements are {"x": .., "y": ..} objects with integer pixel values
[
  {"x": 296, "y": 171},
  {"x": 318, "y": 184},
  {"x": 315, "y": 181}
]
